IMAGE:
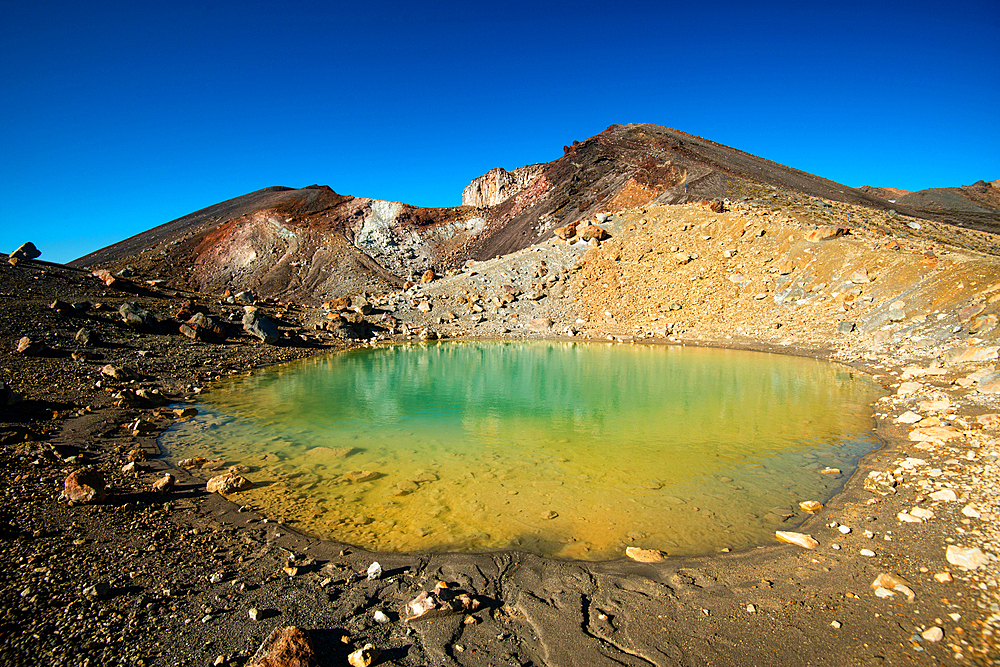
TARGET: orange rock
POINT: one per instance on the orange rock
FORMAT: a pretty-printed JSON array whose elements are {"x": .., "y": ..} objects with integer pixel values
[
  {"x": 826, "y": 232},
  {"x": 85, "y": 486},
  {"x": 288, "y": 646}
]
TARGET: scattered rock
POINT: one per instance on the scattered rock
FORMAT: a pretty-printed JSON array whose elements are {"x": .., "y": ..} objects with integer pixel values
[
  {"x": 845, "y": 327},
  {"x": 799, "y": 539},
  {"x": 288, "y": 646},
  {"x": 97, "y": 591},
  {"x": 364, "y": 656},
  {"x": 934, "y": 634},
  {"x": 811, "y": 506},
  {"x": 30, "y": 347},
  {"x": 539, "y": 324},
  {"x": 228, "y": 483},
  {"x": 567, "y": 232},
  {"x": 926, "y": 433},
  {"x": 826, "y": 232},
  {"x": 592, "y": 232},
  {"x": 442, "y": 601},
  {"x": 257, "y": 324},
  {"x": 427, "y": 277},
  {"x": 887, "y": 585},
  {"x": 164, "y": 484},
  {"x": 85, "y": 486},
  {"x": 87, "y": 337},
  {"x": 970, "y": 558},
  {"x": 26, "y": 251},
  {"x": 105, "y": 276},
  {"x": 645, "y": 555},
  {"x": 137, "y": 317}
]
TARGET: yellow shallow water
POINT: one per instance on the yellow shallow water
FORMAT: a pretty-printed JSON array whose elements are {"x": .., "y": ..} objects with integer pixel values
[{"x": 572, "y": 450}]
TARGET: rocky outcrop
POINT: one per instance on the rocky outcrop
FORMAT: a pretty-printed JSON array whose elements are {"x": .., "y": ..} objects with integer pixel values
[{"x": 498, "y": 185}]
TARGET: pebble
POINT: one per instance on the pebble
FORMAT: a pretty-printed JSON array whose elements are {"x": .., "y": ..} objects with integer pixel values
[
  {"x": 867, "y": 552},
  {"x": 934, "y": 634},
  {"x": 836, "y": 624}
]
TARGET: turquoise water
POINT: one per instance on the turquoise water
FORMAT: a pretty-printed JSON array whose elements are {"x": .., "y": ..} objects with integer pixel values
[{"x": 572, "y": 450}]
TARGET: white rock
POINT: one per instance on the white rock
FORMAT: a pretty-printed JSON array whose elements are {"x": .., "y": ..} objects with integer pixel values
[
  {"x": 800, "y": 539},
  {"x": 908, "y": 518},
  {"x": 380, "y": 617},
  {"x": 751, "y": 609},
  {"x": 374, "y": 571},
  {"x": 971, "y": 511},
  {"x": 254, "y": 613},
  {"x": 867, "y": 552},
  {"x": 836, "y": 624},
  {"x": 844, "y": 529},
  {"x": 886, "y": 584},
  {"x": 922, "y": 513},
  {"x": 946, "y": 495},
  {"x": 908, "y": 418},
  {"x": 969, "y": 558},
  {"x": 934, "y": 634},
  {"x": 909, "y": 388}
]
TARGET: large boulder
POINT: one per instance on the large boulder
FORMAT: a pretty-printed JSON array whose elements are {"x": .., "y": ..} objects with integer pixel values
[
  {"x": 228, "y": 483},
  {"x": 136, "y": 316},
  {"x": 203, "y": 327},
  {"x": 26, "y": 251},
  {"x": 257, "y": 324},
  {"x": 85, "y": 487}
]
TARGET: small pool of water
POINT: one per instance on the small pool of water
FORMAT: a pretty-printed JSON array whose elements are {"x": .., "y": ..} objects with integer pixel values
[{"x": 572, "y": 450}]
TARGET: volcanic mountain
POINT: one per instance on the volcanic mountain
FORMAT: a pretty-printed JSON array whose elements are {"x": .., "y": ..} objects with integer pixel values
[{"x": 312, "y": 244}]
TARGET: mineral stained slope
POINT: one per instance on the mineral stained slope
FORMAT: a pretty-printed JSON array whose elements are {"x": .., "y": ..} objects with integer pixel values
[{"x": 312, "y": 244}]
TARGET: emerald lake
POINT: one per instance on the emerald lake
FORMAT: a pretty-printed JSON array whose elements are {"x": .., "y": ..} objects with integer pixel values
[{"x": 565, "y": 449}]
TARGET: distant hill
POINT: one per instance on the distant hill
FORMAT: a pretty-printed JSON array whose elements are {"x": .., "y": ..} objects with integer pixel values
[{"x": 981, "y": 197}]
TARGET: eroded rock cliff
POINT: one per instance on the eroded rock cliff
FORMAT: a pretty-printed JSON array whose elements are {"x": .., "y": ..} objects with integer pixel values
[{"x": 498, "y": 185}]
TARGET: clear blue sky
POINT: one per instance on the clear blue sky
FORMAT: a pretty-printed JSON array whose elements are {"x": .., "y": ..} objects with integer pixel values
[{"x": 117, "y": 117}]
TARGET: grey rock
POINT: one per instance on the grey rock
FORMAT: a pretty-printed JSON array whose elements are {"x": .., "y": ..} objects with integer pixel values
[
  {"x": 256, "y": 324},
  {"x": 87, "y": 337},
  {"x": 136, "y": 316},
  {"x": 845, "y": 327}
]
